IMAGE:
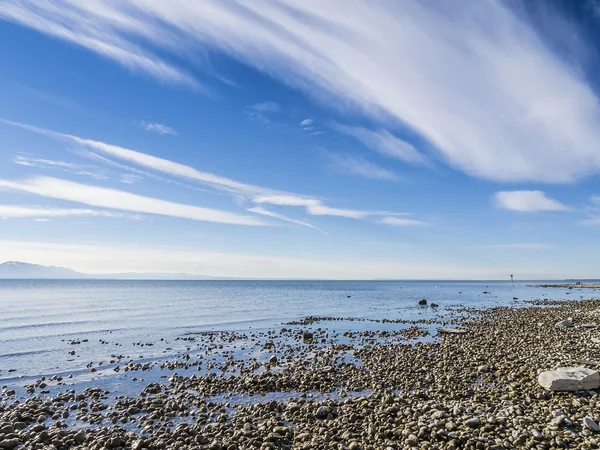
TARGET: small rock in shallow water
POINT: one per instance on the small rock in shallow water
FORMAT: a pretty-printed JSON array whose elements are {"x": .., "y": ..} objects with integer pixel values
[
  {"x": 589, "y": 423},
  {"x": 273, "y": 359},
  {"x": 569, "y": 379},
  {"x": 423, "y": 302}
]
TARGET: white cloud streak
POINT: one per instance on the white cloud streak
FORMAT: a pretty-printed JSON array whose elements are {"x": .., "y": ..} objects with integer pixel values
[
  {"x": 402, "y": 222},
  {"x": 97, "y": 26},
  {"x": 121, "y": 200},
  {"x": 266, "y": 212},
  {"x": 19, "y": 211},
  {"x": 527, "y": 201},
  {"x": 257, "y": 194},
  {"x": 356, "y": 165},
  {"x": 158, "y": 128},
  {"x": 473, "y": 79},
  {"x": 313, "y": 207},
  {"x": 77, "y": 169},
  {"x": 384, "y": 143}
]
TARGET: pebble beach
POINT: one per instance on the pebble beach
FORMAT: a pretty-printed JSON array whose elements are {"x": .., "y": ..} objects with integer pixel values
[{"x": 463, "y": 380}]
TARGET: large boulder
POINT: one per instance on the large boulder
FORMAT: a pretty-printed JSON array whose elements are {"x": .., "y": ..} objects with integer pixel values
[{"x": 570, "y": 379}]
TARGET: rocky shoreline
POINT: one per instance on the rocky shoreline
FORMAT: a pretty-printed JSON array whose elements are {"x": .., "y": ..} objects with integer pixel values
[
  {"x": 318, "y": 389},
  {"x": 577, "y": 285}
]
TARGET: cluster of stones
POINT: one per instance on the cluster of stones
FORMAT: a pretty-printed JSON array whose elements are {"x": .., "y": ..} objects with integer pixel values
[{"x": 496, "y": 380}]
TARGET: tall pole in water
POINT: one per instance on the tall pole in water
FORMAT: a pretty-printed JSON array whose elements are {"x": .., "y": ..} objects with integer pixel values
[{"x": 511, "y": 279}]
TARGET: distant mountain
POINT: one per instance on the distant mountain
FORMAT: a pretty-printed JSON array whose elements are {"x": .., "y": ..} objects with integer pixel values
[{"x": 20, "y": 270}]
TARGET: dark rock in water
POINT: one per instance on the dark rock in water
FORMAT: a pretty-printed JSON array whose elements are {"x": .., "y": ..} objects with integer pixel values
[
  {"x": 515, "y": 298},
  {"x": 434, "y": 305},
  {"x": 349, "y": 296},
  {"x": 307, "y": 335},
  {"x": 423, "y": 302},
  {"x": 485, "y": 292}
]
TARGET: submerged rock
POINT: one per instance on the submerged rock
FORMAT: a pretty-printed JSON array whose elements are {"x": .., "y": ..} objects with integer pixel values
[{"x": 569, "y": 379}]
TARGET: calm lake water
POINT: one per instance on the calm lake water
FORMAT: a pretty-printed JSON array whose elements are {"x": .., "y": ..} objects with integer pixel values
[{"x": 38, "y": 318}]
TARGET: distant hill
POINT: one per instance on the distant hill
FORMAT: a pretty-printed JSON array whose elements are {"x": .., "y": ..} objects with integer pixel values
[{"x": 21, "y": 270}]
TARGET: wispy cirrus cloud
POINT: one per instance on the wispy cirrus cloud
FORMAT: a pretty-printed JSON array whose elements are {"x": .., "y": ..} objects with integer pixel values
[
  {"x": 266, "y": 107},
  {"x": 356, "y": 165},
  {"x": 122, "y": 200},
  {"x": 158, "y": 128},
  {"x": 527, "y": 201},
  {"x": 77, "y": 169},
  {"x": 384, "y": 143},
  {"x": 316, "y": 207},
  {"x": 91, "y": 26},
  {"x": 21, "y": 211},
  {"x": 592, "y": 209},
  {"x": 482, "y": 87},
  {"x": 404, "y": 222},
  {"x": 249, "y": 192},
  {"x": 266, "y": 212}
]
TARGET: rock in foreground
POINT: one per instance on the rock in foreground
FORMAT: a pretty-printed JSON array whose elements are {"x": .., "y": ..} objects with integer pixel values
[{"x": 570, "y": 379}]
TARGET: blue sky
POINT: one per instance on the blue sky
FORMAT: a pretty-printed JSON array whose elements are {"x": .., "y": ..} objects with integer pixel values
[{"x": 298, "y": 139}]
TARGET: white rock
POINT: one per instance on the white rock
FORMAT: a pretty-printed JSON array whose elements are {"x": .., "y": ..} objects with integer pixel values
[
  {"x": 570, "y": 379},
  {"x": 564, "y": 323},
  {"x": 452, "y": 331},
  {"x": 589, "y": 423}
]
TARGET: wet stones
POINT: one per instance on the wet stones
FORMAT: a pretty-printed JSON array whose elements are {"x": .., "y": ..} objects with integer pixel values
[{"x": 423, "y": 302}]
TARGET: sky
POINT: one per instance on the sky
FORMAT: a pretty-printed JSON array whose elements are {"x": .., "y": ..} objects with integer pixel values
[{"x": 302, "y": 139}]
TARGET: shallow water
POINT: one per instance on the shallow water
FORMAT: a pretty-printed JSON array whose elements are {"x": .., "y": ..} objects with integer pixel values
[{"x": 40, "y": 319}]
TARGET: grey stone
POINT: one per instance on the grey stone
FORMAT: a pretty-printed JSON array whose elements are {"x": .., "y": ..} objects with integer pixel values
[
  {"x": 9, "y": 444},
  {"x": 589, "y": 423},
  {"x": 569, "y": 379},
  {"x": 474, "y": 422}
]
